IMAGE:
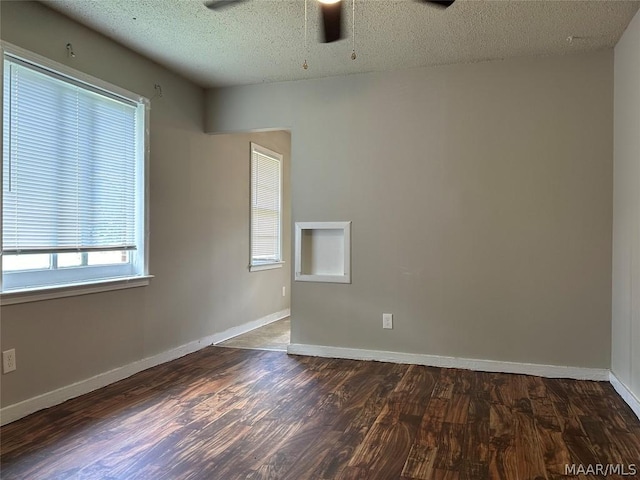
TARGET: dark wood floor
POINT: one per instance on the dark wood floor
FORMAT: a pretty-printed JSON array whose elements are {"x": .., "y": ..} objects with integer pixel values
[{"x": 227, "y": 414}]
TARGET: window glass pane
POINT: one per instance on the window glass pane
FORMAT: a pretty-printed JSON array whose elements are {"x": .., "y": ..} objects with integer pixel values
[
  {"x": 38, "y": 261},
  {"x": 108, "y": 258},
  {"x": 69, "y": 260}
]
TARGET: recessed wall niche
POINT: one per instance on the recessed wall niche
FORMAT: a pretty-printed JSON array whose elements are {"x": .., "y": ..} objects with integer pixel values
[{"x": 323, "y": 252}]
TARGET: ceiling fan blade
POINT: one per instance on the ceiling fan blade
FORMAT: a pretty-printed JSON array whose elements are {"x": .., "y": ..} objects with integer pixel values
[
  {"x": 439, "y": 3},
  {"x": 221, "y": 4},
  {"x": 331, "y": 14}
]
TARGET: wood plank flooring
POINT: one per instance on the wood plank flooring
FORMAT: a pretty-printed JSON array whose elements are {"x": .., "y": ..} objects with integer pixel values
[{"x": 225, "y": 413}]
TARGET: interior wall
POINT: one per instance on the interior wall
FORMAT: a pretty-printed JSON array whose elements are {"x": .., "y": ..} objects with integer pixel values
[
  {"x": 481, "y": 202},
  {"x": 625, "y": 359},
  {"x": 199, "y": 250}
]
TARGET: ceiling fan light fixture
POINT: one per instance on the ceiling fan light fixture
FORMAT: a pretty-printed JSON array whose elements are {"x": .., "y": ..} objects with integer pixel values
[{"x": 331, "y": 17}]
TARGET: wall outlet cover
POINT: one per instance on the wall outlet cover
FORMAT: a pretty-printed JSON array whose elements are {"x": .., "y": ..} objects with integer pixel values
[
  {"x": 387, "y": 320},
  {"x": 9, "y": 360}
]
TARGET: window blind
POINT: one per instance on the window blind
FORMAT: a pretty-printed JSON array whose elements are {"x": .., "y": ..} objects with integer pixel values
[
  {"x": 69, "y": 165},
  {"x": 265, "y": 207}
]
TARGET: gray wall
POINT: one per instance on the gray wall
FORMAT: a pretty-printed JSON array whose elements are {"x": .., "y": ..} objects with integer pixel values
[
  {"x": 481, "y": 201},
  {"x": 625, "y": 358},
  {"x": 199, "y": 229}
]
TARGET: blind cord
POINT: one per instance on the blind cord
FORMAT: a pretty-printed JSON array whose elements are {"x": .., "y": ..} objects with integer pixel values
[
  {"x": 353, "y": 28},
  {"x": 11, "y": 72},
  {"x": 306, "y": 48}
]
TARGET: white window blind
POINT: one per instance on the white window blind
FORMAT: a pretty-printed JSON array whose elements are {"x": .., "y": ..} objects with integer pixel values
[
  {"x": 266, "y": 216},
  {"x": 69, "y": 166}
]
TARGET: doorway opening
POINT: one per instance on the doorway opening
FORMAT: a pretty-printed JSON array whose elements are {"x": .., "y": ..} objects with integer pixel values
[{"x": 256, "y": 229}]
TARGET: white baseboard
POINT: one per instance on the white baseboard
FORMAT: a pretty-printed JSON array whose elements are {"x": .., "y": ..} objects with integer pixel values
[
  {"x": 551, "y": 371},
  {"x": 626, "y": 394},
  {"x": 18, "y": 410}
]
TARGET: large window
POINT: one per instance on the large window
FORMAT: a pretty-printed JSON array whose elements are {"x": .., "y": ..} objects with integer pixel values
[
  {"x": 73, "y": 177},
  {"x": 266, "y": 208}
]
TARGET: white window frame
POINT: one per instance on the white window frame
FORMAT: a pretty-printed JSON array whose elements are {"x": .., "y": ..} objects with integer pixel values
[
  {"x": 256, "y": 265},
  {"x": 133, "y": 274}
]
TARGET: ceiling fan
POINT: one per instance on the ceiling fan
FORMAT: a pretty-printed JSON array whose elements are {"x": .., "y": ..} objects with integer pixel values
[{"x": 330, "y": 14}]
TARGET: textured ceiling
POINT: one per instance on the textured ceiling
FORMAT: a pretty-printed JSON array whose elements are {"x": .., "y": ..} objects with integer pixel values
[{"x": 263, "y": 40}]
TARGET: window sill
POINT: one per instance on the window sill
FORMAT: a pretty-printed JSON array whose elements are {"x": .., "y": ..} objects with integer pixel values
[
  {"x": 265, "y": 266},
  {"x": 47, "y": 293}
]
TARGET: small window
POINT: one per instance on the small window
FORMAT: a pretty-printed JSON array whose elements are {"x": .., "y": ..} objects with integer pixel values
[
  {"x": 266, "y": 208},
  {"x": 73, "y": 163}
]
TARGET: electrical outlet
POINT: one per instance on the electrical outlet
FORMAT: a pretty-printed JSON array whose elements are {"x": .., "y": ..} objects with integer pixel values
[
  {"x": 284, "y": 291},
  {"x": 9, "y": 360},
  {"x": 387, "y": 320}
]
